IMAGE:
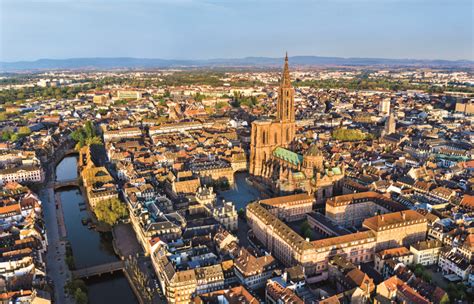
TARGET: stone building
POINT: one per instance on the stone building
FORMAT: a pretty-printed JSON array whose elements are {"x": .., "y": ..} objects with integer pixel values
[
  {"x": 395, "y": 229},
  {"x": 290, "y": 208},
  {"x": 350, "y": 210}
]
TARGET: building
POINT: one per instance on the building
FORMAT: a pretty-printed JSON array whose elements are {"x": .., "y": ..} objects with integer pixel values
[
  {"x": 114, "y": 135},
  {"x": 280, "y": 240},
  {"x": 233, "y": 295},
  {"x": 390, "y": 125},
  {"x": 290, "y": 208},
  {"x": 351, "y": 210},
  {"x": 22, "y": 174},
  {"x": 272, "y": 160},
  {"x": 395, "y": 290},
  {"x": 98, "y": 182},
  {"x": 253, "y": 272},
  {"x": 356, "y": 248},
  {"x": 268, "y": 134},
  {"x": 226, "y": 215},
  {"x": 397, "y": 229},
  {"x": 426, "y": 252},
  {"x": 465, "y": 107},
  {"x": 397, "y": 255},
  {"x": 217, "y": 172},
  {"x": 210, "y": 278},
  {"x": 384, "y": 106},
  {"x": 451, "y": 262},
  {"x": 182, "y": 184},
  {"x": 277, "y": 294},
  {"x": 129, "y": 94}
]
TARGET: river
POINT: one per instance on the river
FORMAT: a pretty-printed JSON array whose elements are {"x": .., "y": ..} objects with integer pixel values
[{"x": 90, "y": 247}]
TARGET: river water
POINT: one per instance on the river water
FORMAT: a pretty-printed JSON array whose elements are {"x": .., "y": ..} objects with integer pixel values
[{"x": 90, "y": 247}]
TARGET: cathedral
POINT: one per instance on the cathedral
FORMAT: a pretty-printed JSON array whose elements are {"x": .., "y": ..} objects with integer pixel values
[{"x": 272, "y": 160}]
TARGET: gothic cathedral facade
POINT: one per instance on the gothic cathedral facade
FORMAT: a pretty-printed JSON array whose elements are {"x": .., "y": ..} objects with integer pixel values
[{"x": 269, "y": 134}]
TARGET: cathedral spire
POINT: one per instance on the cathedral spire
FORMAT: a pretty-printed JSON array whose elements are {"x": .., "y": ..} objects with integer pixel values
[
  {"x": 286, "y": 81},
  {"x": 285, "y": 104}
]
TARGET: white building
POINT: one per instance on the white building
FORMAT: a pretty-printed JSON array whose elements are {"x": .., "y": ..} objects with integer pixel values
[
  {"x": 426, "y": 252},
  {"x": 20, "y": 174}
]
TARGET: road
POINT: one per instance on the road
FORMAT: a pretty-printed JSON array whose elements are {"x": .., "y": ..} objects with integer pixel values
[{"x": 57, "y": 269}]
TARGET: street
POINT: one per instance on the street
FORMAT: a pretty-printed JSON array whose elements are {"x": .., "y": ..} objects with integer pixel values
[{"x": 57, "y": 269}]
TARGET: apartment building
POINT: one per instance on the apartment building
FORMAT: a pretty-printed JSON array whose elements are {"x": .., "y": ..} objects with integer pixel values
[
  {"x": 252, "y": 271},
  {"x": 426, "y": 252}
]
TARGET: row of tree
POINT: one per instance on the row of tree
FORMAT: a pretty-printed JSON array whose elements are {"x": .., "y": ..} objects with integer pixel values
[
  {"x": 9, "y": 135},
  {"x": 363, "y": 83}
]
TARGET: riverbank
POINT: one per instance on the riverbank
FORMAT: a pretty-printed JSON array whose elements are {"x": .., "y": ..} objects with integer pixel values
[{"x": 89, "y": 247}]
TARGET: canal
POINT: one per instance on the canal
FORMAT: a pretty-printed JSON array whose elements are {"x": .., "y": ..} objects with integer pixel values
[{"x": 90, "y": 247}]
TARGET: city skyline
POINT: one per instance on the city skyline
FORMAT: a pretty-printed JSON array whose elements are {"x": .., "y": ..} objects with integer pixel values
[{"x": 31, "y": 30}]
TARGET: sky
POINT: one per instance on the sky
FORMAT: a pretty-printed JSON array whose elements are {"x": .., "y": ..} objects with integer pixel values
[{"x": 205, "y": 29}]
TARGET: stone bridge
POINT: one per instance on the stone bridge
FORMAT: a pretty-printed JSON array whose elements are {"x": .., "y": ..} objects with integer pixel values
[
  {"x": 98, "y": 270},
  {"x": 66, "y": 183}
]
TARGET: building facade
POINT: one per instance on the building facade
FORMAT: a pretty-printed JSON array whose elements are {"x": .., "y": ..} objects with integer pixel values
[{"x": 269, "y": 134}]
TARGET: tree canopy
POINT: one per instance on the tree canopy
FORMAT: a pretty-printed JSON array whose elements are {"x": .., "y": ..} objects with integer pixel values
[
  {"x": 350, "y": 135},
  {"x": 86, "y": 136},
  {"x": 110, "y": 211}
]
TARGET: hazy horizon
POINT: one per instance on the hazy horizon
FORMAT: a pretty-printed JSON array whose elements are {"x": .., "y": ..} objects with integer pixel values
[{"x": 210, "y": 29}]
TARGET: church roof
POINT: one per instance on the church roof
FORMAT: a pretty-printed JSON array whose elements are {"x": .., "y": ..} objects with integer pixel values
[{"x": 289, "y": 156}]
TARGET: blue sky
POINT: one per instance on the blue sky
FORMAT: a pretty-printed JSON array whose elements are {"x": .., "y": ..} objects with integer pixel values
[{"x": 201, "y": 29}]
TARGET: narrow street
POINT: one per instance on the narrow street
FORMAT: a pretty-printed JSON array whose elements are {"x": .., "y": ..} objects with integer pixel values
[{"x": 57, "y": 269}]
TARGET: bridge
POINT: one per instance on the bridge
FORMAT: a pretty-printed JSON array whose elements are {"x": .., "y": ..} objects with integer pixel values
[
  {"x": 98, "y": 270},
  {"x": 66, "y": 183}
]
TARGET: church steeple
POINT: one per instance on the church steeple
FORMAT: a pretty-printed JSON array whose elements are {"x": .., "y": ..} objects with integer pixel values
[
  {"x": 286, "y": 81},
  {"x": 285, "y": 105}
]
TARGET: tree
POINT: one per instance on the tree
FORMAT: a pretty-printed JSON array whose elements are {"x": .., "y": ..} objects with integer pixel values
[
  {"x": 72, "y": 286},
  {"x": 24, "y": 131},
  {"x": 349, "y": 135},
  {"x": 89, "y": 129},
  {"x": 306, "y": 230},
  {"x": 80, "y": 296},
  {"x": 93, "y": 141},
  {"x": 445, "y": 299},
  {"x": 6, "y": 134},
  {"x": 456, "y": 291},
  {"x": 110, "y": 211},
  {"x": 86, "y": 136},
  {"x": 241, "y": 213}
]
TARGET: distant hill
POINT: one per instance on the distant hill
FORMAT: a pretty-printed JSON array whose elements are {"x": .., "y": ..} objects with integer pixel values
[{"x": 142, "y": 63}]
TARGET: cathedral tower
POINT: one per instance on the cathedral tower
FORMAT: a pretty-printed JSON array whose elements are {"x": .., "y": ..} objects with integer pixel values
[
  {"x": 268, "y": 134},
  {"x": 286, "y": 97}
]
